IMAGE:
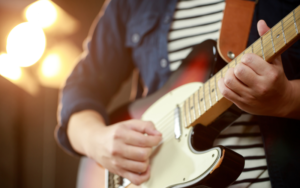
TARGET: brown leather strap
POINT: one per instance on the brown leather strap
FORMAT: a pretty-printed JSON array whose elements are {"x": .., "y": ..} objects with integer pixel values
[{"x": 235, "y": 29}]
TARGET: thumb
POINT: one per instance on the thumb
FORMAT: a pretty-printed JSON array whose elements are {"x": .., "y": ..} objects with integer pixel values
[{"x": 262, "y": 27}]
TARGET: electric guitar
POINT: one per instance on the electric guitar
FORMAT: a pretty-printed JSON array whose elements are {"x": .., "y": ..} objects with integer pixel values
[{"x": 190, "y": 112}]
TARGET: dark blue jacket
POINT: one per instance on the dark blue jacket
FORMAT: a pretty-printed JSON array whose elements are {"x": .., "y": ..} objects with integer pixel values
[{"x": 133, "y": 33}]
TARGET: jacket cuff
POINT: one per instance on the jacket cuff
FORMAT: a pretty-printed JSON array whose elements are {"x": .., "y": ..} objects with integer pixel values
[{"x": 61, "y": 129}]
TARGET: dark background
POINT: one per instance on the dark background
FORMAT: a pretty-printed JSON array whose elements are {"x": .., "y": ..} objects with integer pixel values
[{"x": 29, "y": 157}]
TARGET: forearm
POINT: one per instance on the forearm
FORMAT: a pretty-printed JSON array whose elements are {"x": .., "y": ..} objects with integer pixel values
[
  {"x": 80, "y": 128},
  {"x": 293, "y": 110}
]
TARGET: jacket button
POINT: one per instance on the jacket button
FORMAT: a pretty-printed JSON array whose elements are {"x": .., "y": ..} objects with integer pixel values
[
  {"x": 163, "y": 63},
  {"x": 135, "y": 38},
  {"x": 167, "y": 19}
]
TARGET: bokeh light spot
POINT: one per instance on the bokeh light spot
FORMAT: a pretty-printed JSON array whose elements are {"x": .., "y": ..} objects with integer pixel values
[
  {"x": 8, "y": 69},
  {"x": 42, "y": 13},
  {"x": 51, "y": 65},
  {"x": 26, "y": 44}
]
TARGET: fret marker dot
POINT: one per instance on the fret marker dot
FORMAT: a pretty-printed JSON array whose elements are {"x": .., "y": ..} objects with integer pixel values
[
  {"x": 212, "y": 90},
  {"x": 192, "y": 108},
  {"x": 201, "y": 99},
  {"x": 278, "y": 36}
]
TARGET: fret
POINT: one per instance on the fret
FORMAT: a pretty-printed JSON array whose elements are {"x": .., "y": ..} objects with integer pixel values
[
  {"x": 216, "y": 93},
  {"x": 235, "y": 61},
  {"x": 274, "y": 51},
  {"x": 262, "y": 48},
  {"x": 283, "y": 31},
  {"x": 195, "y": 116},
  {"x": 192, "y": 108},
  {"x": 252, "y": 48},
  {"x": 295, "y": 22},
  {"x": 184, "y": 111},
  {"x": 289, "y": 27},
  {"x": 218, "y": 77},
  {"x": 221, "y": 73},
  {"x": 203, "y": 97},
  {"x": 247, "y": 51},
  {"x": 277, "y": 37},
  {"x": 188, "y": 111},
  {"x": 209, "y": 94},
  {"x": 199, "y": 109}
]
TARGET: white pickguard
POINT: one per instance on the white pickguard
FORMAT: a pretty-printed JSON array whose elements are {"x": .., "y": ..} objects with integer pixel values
[{"x": 173, "y": 162}]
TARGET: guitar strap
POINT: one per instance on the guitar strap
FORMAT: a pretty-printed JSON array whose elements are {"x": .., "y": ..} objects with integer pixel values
[{"x": 235, "y": 29}]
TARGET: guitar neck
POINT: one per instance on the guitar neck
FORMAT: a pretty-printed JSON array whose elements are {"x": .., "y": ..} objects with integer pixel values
[{"x": 207, "y": 103}]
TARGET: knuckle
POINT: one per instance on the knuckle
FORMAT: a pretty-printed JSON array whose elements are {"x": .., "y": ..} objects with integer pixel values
[
  {"x": 247, "y": 58},
  {"x": 114, "y": 162},
  {"x": 239, "y": 71},
  {"x": 274, "y": 76},
  {"x": 114, "y": 151},
  {"x": 263, "y": 90},
  {"x": 143, "y": 155},
  {"x": 225, "y": 92},
  {"x": 228, "y": 81},
  {"x": 143, "y": 167}
]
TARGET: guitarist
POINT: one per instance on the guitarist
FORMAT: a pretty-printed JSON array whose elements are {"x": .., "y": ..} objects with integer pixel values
[{"x": 139, "y": 33}]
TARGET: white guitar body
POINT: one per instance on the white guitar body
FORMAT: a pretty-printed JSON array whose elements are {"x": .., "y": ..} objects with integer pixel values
[{"x": 174, "y": 163}]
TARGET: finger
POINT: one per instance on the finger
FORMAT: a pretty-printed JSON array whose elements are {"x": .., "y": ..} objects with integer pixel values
[
  {"x": 136, "y": 178},
  {"x": 136, "y": 153},
  {"x": 256, "y": 63},
  {"x": 145, "y": 127},
  {"x": 138, "y": 139},
  {"x": 245, "y": 75},
  {"x": 262, "y": 27},
  {"x": 130, "y": 165},
  {"x": 228, "y": 93},
  {"x": 233, "y": 83}
]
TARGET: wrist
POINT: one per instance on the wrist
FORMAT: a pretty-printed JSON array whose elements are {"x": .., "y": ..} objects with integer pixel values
[
  {"x": 81, "y": 129},
  {"x": 93, "y": 139}
]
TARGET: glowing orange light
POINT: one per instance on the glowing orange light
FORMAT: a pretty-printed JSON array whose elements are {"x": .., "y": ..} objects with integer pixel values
[
  {"x": 42, "y": 13},
  {"x": 51, "y": 65},
  {"x": 26, "y": 44},
  {"x": 8, "y": 69}
]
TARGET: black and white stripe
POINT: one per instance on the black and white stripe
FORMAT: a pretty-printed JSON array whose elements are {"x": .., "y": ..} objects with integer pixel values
[{"x": 195, "y": 21}]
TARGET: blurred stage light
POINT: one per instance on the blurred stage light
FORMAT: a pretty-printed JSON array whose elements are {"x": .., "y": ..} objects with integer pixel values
[
  {"x": 51, "y": 65},
  {"x": 58, "y": 64},
  {"x": 53, "y": 19},
  {"x": 8, "y": 69},
  {"x": 17, "y": 75},
  {"x": 26, "y": 44},
  {"x": 42, "y": 13}
]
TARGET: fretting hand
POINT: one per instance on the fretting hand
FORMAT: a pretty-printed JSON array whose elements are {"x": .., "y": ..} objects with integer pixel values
[{"x": 259, "y": 87}]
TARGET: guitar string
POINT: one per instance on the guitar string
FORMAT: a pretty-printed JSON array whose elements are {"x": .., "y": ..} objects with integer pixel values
[
  {"x": 166, "y": 118},
  {"x": 290, "y": 21}
]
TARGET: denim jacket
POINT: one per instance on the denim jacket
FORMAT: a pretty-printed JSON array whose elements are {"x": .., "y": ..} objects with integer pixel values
[{"x": 133, "y": 33}]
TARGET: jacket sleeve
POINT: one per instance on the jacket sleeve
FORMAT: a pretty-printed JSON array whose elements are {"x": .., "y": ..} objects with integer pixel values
[{"x": 105, "y": 63}]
